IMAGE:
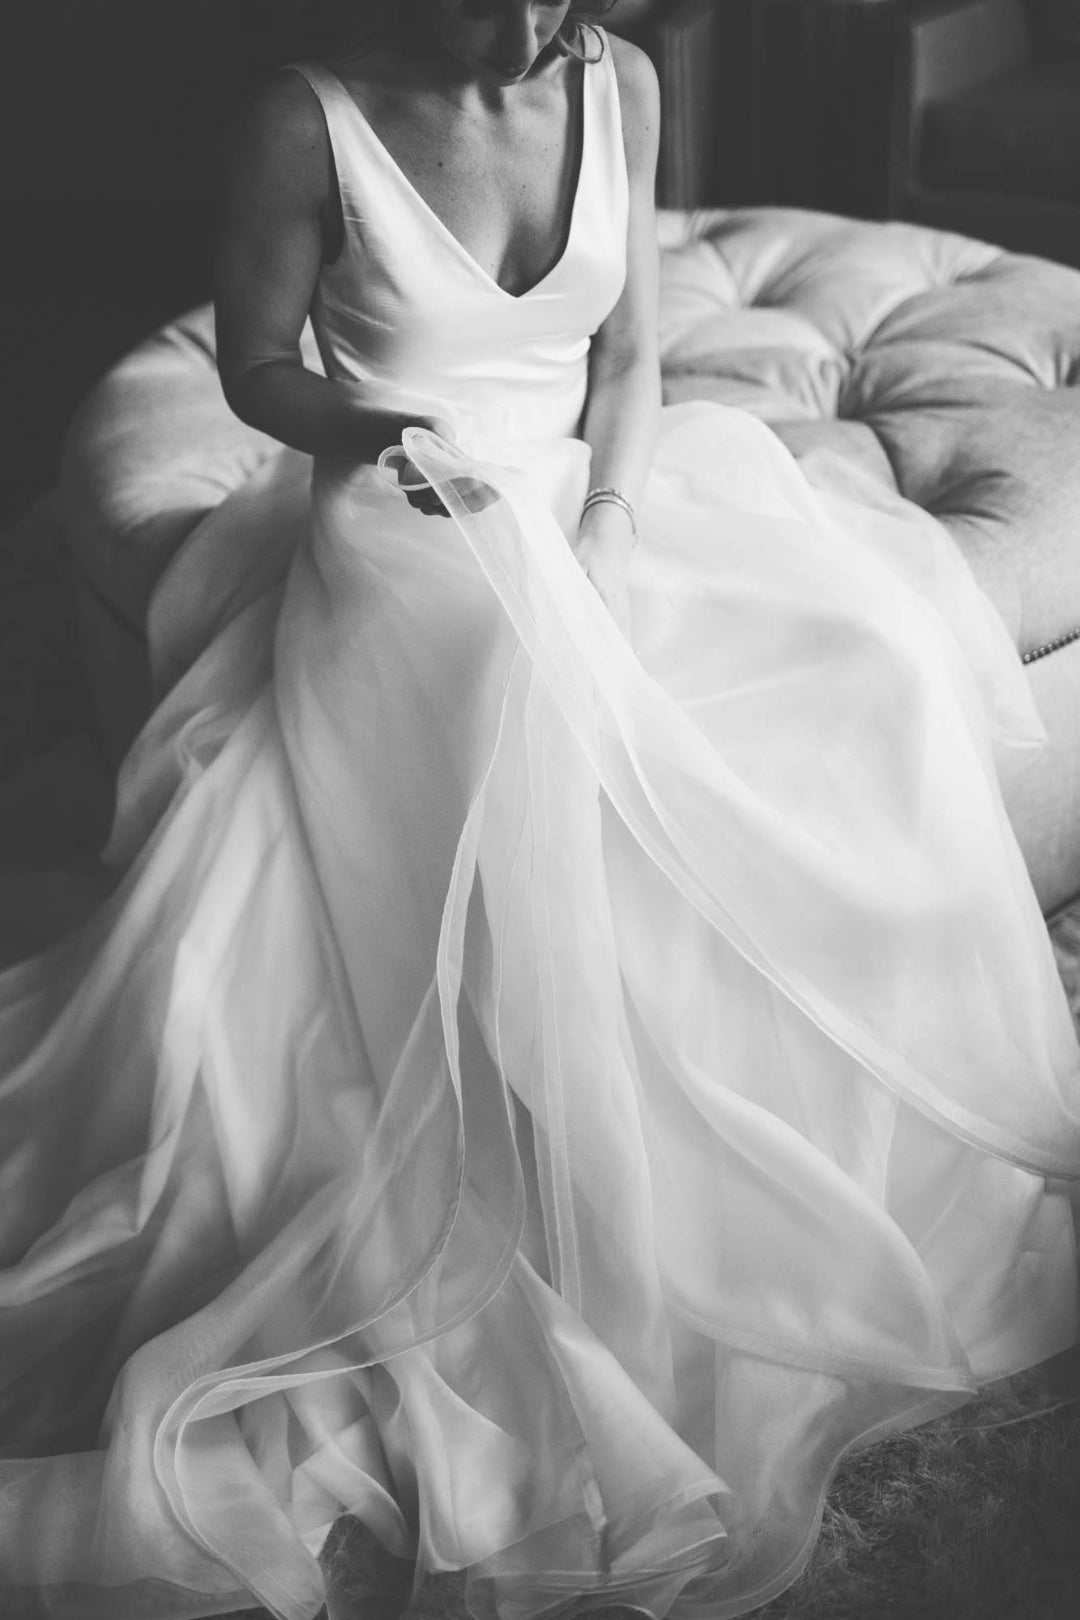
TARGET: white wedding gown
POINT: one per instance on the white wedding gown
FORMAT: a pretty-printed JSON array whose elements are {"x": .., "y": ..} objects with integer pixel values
[{"x": 546, "y": 1097}]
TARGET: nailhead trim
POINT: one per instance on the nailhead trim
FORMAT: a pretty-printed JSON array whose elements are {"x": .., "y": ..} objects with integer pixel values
[{"x": 1051, "y": 646}]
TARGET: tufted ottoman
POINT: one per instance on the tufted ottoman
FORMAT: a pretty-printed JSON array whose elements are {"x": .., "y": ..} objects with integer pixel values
[{"x": 942, "y": 367}]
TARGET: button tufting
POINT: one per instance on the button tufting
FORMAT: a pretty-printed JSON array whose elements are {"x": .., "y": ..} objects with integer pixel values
[{"x": 962, "y": 361}]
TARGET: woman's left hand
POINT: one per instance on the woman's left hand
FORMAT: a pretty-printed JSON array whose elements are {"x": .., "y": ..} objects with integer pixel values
[{"x": 604, "y": 542}]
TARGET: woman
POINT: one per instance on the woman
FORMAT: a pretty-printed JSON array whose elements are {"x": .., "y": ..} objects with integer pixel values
[{"x": 574, "y": 1048}]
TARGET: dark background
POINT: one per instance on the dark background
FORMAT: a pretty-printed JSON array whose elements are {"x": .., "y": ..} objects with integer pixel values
[{"x": 113, "y": 115}]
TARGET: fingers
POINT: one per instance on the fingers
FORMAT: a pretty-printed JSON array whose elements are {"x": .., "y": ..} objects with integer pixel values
[
  {"x": 473, "y": 494},
  {"x": 439, "y": 425},
  {"x": 616, "y": 598},
  {"x": 428, "y": 502},
  {"x": 620, "y": 612},
  {"x": 423, "y": 499},
  {"x": 411, "y": 479}
]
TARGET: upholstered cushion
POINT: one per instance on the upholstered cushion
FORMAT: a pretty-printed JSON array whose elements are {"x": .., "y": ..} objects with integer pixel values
[
  {"x": 944, "y": 366},
  {"x": 1019, "y": 133},
  {"x": 151, "y": 451}
]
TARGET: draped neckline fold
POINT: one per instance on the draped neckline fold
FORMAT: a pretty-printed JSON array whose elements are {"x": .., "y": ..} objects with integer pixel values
[{"x": 581, "y": 122}]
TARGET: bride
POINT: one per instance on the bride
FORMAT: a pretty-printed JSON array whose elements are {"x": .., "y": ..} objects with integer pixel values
[{"x": 573, "y": 1048}]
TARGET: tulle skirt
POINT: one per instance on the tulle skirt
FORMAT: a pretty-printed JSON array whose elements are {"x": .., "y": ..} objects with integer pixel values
[{"x": 544, "y": 1096}]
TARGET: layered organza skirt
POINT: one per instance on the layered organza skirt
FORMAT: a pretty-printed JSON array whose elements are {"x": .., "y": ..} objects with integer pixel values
[{"x": 544, "y": 1096}]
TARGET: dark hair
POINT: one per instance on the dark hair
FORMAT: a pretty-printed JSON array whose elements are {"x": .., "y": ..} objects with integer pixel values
[{"x": 331, "y": 27}]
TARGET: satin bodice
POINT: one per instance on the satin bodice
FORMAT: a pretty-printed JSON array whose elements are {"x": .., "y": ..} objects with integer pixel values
[{"x": 406, "y": 311}]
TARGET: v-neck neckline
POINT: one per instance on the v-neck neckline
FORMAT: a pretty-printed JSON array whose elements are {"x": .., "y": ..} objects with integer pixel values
[{"x": 392, "y": 164}]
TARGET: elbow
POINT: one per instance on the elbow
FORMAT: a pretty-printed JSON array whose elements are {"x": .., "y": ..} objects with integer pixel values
[
  {"x": 634, "y": 365},
  {"x": 629, "y": 381},
  {"x": 234, "y": 374},
  {"x": 232, "y": 388},
  {"x": 247, "y": 385},
  {"x": 241, "y": 397}
]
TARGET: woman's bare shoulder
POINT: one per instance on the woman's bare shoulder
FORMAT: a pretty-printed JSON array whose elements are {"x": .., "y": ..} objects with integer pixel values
[
  {"x": 639, "y": 97},
  {"x": 281, "y": 133}
]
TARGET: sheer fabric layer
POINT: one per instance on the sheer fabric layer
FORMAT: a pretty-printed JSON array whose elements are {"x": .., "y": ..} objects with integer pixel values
[{"x": 574, "y": 1122}]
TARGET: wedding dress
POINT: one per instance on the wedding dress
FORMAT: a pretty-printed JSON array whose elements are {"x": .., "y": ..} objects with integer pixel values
[{"x": 545, "y": 1096}]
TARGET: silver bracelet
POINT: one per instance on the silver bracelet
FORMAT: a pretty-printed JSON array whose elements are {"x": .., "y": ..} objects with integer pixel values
[{"x": 615, "y": 498}]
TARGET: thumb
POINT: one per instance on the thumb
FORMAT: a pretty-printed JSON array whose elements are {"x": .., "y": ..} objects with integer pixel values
[{"x": 441, "y": 426}]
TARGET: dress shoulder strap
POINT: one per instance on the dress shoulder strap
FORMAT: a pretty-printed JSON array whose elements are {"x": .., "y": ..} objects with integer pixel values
[
  {"x": 342, "y": 118},
  {"x": 326, "y": 85},
  {"x": 605, "y": 152}
]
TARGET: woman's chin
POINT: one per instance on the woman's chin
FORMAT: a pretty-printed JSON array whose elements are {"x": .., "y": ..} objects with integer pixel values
[
  {"x": 502, "y": 76},
  {"x": 504, "y": 72}
]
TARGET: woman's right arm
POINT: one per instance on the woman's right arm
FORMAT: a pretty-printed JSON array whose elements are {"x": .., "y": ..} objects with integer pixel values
[{"x": 276, "y": 208}]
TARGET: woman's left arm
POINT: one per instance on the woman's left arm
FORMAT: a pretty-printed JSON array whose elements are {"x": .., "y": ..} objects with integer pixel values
[{"x": 622, "y": 407}]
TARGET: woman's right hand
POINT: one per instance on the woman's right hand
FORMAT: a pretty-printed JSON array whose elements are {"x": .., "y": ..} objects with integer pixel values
[
  {"x": 425, "y": 500},
  {"x": 474, "y": 495}
]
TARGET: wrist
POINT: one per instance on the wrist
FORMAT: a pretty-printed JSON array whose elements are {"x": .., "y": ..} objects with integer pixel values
[
  {"x": 608, "y": 525},
  {"x": 364, "y": 431},
  {"x": 369, "y": 430}
]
